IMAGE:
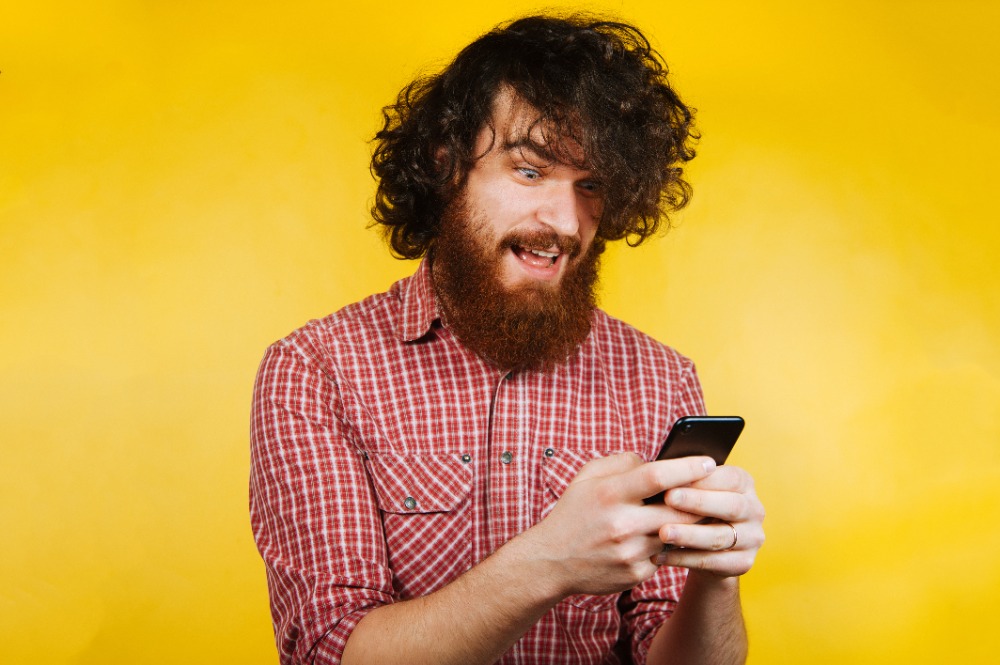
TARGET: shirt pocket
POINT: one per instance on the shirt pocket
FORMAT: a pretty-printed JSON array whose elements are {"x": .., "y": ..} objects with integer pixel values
[
  {"x": 424, "y": 502},
  {"x": 558, "y": 470}
]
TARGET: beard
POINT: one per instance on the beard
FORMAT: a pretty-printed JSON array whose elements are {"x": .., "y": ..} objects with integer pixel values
[{"x": 526, "y": 326}]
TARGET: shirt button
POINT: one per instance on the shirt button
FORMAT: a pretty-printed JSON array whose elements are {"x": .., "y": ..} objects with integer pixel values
[
  {"x": 549, "y": 452},
  {"x": 507, "y": 457},
  {"x": 410, "y": 503},
  {"x": 466, "y": 458}
]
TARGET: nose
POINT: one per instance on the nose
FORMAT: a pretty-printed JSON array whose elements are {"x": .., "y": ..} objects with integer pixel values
[{"x": 561, "y": 209}]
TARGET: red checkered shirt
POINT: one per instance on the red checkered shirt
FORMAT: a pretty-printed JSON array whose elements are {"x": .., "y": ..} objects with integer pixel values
[{"x": 387, "y": 459}]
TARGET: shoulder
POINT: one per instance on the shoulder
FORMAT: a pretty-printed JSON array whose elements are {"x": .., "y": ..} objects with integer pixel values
[{"x": 361, "y": 325}]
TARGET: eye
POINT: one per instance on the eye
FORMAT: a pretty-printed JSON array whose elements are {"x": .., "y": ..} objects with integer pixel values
[
  {"x": 529, "y": 173},
  {"x": 590, "y": 187}
]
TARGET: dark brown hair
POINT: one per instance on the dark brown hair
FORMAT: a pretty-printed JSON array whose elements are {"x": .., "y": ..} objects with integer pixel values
[{"x": 598, "y": 82}]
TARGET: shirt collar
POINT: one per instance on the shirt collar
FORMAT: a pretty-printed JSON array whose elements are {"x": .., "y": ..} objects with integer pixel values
[{"x": 419, "y": 304}]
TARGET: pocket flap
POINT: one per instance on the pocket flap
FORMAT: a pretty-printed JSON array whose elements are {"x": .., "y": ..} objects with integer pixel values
[
  {"x": 561, "y": 468},
  {"x": 420, "y": 483}
]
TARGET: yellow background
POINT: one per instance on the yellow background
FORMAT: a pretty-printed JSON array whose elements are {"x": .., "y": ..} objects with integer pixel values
[{"x": 182, "y": 183}]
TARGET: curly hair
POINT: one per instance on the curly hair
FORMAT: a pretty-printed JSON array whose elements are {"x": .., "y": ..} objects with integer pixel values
[{"x": 596, "y": 81}]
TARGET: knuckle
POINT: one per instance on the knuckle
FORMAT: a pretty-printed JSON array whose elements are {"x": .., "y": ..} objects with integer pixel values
[
  {"x": 632, "y": 457},
  {"x": 651, "y": 475},
  {"x": 619, "y": 462},
  {"x": 744, "y": 508},
  {"x": 745, "y": 561},
  {"x": 618, "y": 532},
  {"x": 638, "y": 571},
  {"x": 606, "y": 494},
  {"x": 744, "y": 481},
  {"x": 653, "y": 480}
]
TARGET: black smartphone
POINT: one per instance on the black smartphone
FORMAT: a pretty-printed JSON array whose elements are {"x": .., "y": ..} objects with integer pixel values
[{"x": 713, "y": 436}]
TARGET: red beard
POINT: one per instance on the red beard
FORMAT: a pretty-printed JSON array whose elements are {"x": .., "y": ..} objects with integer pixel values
[{"x": 531, "y": 326}]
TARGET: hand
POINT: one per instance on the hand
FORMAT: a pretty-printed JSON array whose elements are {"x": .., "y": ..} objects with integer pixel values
[
  {"x": 724, "y": 498},
  {"x": 600, "y": 537}
]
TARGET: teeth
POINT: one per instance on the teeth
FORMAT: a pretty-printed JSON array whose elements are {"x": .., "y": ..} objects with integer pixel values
[{"x": 547, "y": 255}]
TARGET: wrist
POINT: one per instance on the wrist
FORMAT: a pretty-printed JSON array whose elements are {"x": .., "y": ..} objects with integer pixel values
[
  {"x": 545, "y": 578},
  {"x": 708, "y": 584}
]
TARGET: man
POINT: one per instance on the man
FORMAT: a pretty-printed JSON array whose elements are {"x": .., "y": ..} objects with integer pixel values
[{"x": 454, "y": 471}]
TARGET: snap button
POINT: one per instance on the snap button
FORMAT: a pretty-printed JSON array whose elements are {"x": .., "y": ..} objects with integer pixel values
[
  {"x": 507, "y": 457},
  {"x": 549, "y": 452},
  {"x": 466, "y": 458},
  {"x": 410, "y": 503}
]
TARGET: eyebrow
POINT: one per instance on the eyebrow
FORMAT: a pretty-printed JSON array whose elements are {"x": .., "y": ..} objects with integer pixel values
[{"x": 524, "y": 143}]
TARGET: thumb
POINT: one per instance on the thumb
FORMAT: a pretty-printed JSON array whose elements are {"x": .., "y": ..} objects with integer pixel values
[{"x": 608, "y": 466}]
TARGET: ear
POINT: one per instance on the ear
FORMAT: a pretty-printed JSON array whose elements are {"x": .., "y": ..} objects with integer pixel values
[
  {"x": 442, "y": 162},
  {"x": 446, "y": 170}
]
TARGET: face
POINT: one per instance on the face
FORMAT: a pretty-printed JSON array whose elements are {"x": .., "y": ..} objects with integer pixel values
[
  {"x": 539, "y": 211},
  {"x": 515, "y": 264}
]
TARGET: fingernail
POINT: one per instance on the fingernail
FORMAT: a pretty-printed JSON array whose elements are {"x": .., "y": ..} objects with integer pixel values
[
  {"x": 709, "y": 465},
  {"x": 659, "y": 559}
]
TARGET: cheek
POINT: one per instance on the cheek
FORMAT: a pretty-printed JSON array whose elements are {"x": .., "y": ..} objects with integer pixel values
[
  {"x": 589, "y": 223},
  {"x": 591, "y": 209},
  {"x": 507, "y": 213}
]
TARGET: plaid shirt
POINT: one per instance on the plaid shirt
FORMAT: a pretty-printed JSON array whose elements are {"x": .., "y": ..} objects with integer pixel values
[{"x": 387, "y": 459}]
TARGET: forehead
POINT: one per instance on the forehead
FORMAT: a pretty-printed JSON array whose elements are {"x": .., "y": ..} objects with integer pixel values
[{"x": 516, "y": 126}]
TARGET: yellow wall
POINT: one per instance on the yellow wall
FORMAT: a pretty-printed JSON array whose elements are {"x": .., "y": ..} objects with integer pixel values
[{"x": 183, "y": 182}]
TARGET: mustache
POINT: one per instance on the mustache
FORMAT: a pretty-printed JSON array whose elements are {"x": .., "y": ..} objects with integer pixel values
[{"x": 541, "y": 239}]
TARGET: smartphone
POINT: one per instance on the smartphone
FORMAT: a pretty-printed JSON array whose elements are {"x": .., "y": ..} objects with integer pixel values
[{"x": 713, "y": 436}]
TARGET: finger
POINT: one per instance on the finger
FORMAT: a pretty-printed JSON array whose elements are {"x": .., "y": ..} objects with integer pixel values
[
  {"x": 727, "y": 478},
  {"x": 721, "y": 505},
  {"x": 655, "y": 517},
  {"x": 654, "y": 477},
  {"x": 607, "y": 466},
  {"x": 714, "y": 537},
  {"x": 729, "y": 563}
]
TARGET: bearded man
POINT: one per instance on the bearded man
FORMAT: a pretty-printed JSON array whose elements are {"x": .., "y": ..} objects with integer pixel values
[{"x": 454, "y": 471}]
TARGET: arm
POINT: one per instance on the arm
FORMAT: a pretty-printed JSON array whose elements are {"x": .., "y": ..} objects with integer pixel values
[
  {"x": 312, "y": 508},
  {"x": 598, "y": 539},
  {"x": 707, "y": 626},
  {"x": 475, "y": 619}
]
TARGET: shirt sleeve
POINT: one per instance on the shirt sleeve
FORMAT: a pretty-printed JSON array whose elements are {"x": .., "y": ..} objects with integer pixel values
[
  {"x": 312, "y": 509},
  {"x": 652, "y": 603}
]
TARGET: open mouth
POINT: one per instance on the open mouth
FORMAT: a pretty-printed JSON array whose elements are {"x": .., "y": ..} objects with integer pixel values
[{"x": 538, "y": 258}]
